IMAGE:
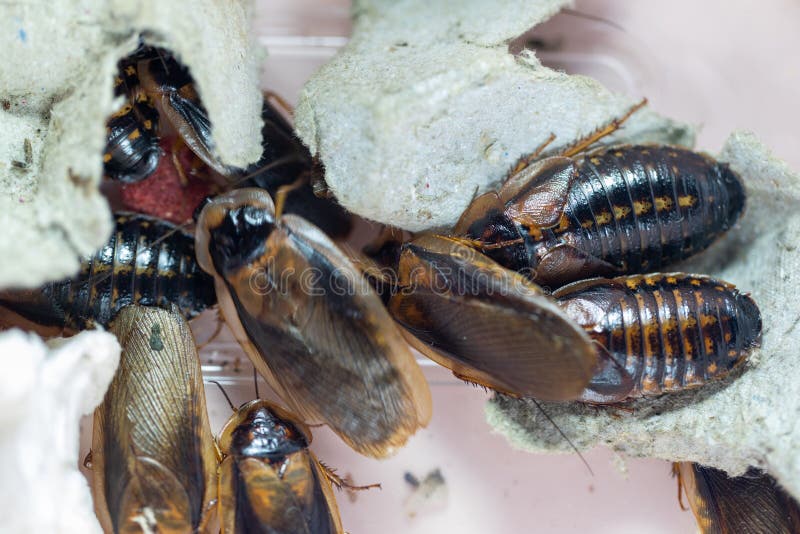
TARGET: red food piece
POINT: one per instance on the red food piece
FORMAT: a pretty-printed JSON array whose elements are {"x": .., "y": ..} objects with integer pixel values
[{"x": 162, "y": 194}]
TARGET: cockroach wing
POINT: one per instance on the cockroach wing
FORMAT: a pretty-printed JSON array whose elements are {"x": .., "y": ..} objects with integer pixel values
[
  {"x": 154, "y": 500},
  {"x": 749, "y": 504},
  {"x": 320, "y": 335},
  {"x": 536, "y": 196},
  {"x": 191, "y": 121},
  {"x": 482, "y": 208},
  {"x": 154, "y": 409},
  {"x": 259, "y": 500},
  {"x": 488, "y": 324}
]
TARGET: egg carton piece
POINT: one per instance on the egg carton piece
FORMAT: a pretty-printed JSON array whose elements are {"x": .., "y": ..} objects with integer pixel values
[
  {"x": 57, "y": 92},
  {"x": 426, "y": 107}
]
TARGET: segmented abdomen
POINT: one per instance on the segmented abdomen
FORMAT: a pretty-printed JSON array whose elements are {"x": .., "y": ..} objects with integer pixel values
[
  {"x": 668, "y": 331},
  {"x": 132, "y": 152},
  {"x": 642, "y": 207},
  {"x": 144, "y": 262}
]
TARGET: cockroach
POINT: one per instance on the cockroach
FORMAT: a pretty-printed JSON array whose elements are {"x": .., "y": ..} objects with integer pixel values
[
  {"x": 661, "y": 333},
  {"x": 617, "y": 210},
  {"x": 146, "y": 261},
  {"x": 753, "y": 503},
  {"x": 269, "y": 481},
  {"x": 488, "y": 324},
  {"x": 310, "y": 323},
  {"x": 154, "y": 461},
  {"x": 132, "y": 150},
  {"x": 156, "y": 84}
]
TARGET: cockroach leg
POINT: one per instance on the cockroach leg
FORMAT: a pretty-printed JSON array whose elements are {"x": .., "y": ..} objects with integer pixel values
[
  {"x": 526, "y": 160},
  {"x": 281, "y": 102},
  {"x": 177, "y": 144},
  {"x": 582, "y": 144},
  {"x": 676, "y": 472},
  {"x": 339, "y": 482}
]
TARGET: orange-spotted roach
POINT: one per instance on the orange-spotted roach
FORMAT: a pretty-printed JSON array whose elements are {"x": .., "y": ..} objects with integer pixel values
[
  {"x": 269, "y": 481},
  {"x": 617, "y": 210},
  {"x": 132, "y": 151},
  {"x": 154, "y": 462},
  {"x": 660, "y": 333},
  {"x": 156, "y": 85},
  {"x": 753, "y": 503},
  {"x": 310, "y": 323},
  {"x": 146, "y": 261}
]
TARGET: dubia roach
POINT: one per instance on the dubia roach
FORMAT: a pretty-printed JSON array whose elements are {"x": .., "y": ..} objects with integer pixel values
[
  {"x": 489, "y": 325},
  {"x": 146, "y": 261},
  {"x": 749, "y": 504},
  {"x": 660, "y": 333},
  {"x": 312, "y": 326},
  {"x": 154, "y": 462},
  {"x": 617, "y": 210},
  {"x": 156, "y": 84},
  {"x": 132, "y": 150},
  {"x": 269, "y": 481}
]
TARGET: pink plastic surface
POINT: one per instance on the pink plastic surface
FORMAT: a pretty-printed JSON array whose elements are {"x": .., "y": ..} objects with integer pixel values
[{"x": 720, "y": 64}]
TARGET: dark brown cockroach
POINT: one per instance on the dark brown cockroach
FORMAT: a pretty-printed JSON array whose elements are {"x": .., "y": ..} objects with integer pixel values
[
  {"x": 661, "y": 333},
  {"x": 132, "y": 150},
  {"x": 488, "y": 324},
  {"x": 269, "y": 481},
  {"x": 156, "y": 84},
  {"x": 617, "y": 210},
  {"x": 312, "y": 326},
  {"x": 146, "y": 261},
  {"x": 749, "y": 504},
  {"x": 154, "y": 462}
]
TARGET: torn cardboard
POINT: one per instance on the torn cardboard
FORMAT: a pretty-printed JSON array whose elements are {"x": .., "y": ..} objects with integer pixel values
[
  {"x": 56, "y": 91},
  {"x": 426, "y": 107}
]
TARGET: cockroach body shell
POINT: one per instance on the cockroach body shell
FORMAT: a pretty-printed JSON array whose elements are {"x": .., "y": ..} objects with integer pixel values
[
  {"x": 618, "y": 210},
  {"x": 154, "y": 463},
  {"x": 132, "y": 151},
  {"x": 146, "y": 261},
  {"x": 269, "y": 481},
  {"x": 310, "y": 323},
  {"x": 487, "y": 324},
  {"x": 660, "y": 333},
  {"x": 753, "y": 503}
]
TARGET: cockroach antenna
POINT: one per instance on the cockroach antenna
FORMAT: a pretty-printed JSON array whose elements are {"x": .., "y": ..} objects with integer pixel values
[
  {"x": 225, "y": 393},
  {"x": 563, "y": 435},
  {"x": 255, "y": 382}
]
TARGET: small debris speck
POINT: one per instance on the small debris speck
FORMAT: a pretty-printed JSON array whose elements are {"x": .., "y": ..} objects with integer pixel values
[{"x": 155, "y": 338}]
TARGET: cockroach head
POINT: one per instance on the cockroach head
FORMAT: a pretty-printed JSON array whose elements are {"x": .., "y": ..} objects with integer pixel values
[
  {"x": 232, "y": 230},
  {"x": 264, "y": 435},
  {"x": 261, "y": 429}
]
